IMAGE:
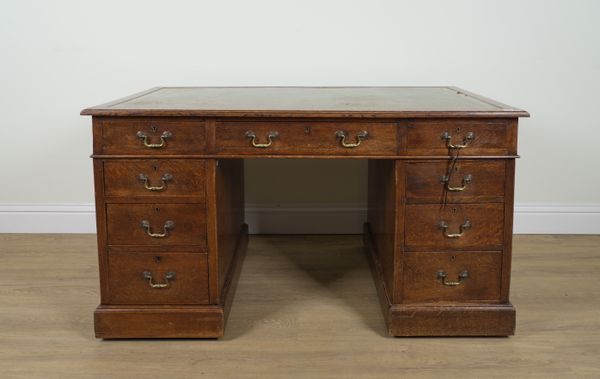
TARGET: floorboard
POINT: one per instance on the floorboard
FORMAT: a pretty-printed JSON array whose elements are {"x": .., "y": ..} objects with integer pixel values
[{"x": 305, "y": 307}]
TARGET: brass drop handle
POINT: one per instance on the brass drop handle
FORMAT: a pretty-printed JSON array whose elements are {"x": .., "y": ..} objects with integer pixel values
[
  {"x": 466, "y": 141},
  {"x": 168, "y": 225},
  {"x": 444, "y": 226},
  {"x": 165, "y": 178},
  {"x": 359, "y": 138},
  {"x": 467, "y": 179},
  {"x": 270, "y": 137},
  {"x": 146, "y": 140},
  {"x": 441, "y": 275},
  {"x": 168, "y": 276}
]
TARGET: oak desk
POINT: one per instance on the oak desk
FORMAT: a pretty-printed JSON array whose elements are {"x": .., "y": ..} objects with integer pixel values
[{"x": 168, "y": 169}]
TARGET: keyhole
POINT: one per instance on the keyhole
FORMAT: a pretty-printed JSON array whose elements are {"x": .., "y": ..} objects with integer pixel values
[
  {"x": 454, "y": 210},
  {"x": 307, "y": 130},
  {"x": 457, "y": 130},
  {"x": 157, "y": 259},
  {"x": 154, "y": 128},
  {"x": 452, "y": 257},
  {"x": 155, "y": 168},
  {"x": 157, "y": 209},
  {"x": 455, "y": 168}
]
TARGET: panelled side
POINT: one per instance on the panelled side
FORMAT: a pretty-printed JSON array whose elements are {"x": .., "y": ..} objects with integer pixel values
[{"x": 382, "y": 217}]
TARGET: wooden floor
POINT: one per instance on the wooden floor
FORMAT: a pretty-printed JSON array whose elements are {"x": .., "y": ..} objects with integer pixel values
[{"x": 317, "y": 317}]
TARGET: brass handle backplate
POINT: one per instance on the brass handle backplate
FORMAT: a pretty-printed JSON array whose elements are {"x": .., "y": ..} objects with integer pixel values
[
  {"x": 444, "y": 226},
  {"x": 342, "y": 135},
  {"x": 467, "y": 179},
  {"x": 168, "y": 277},
  {"x": 146, "y": 140},
  {"x": 441, "y": 275},
  {"x": 168, "y": 225},
  {"x": 270, "y": 137},
  {"x": 466, "y": 141},
  {"x": 165, "y": 178}
]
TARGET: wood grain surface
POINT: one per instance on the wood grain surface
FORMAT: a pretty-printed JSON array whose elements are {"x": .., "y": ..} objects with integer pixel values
[
  {"x": 125, "y": 228},
  {"x": 308, "y": 137},
  {"x": 127, "y": 285},
  {"x": 423, "y": 232},
  {"x": 421, "y": 282},
  {"x": 306, "y": 308},
  {"x": 490, "y": 137},
  {"x": 184, "y": 178},
  {"x": 485, "y": 181},
  {"x": 120, "y": 136}
]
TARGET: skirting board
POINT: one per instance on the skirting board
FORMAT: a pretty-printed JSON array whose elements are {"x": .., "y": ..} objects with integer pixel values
[{"x": 263, "y": 219}]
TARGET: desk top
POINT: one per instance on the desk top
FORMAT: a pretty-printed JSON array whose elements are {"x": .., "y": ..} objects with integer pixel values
[{"x": 362, "y": 102}]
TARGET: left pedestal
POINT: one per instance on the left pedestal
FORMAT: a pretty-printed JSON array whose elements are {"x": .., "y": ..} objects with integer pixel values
[{"x": 171, "y": 232}]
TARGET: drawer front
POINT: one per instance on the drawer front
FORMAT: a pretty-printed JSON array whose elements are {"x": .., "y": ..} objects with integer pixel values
[
  {"x": 454, "y": 227},
  {"x": 461, "y": 182},
  {"x": 479, "y": 137},
  {"x": 151, "y": 136},
  {"x": 154, "y": 178},
  {"x": 319, "y": 138},
  {"x": 156, "y": 224},
  {"x": 445, "y": 276},
  {"x": 142, "y": 278}
]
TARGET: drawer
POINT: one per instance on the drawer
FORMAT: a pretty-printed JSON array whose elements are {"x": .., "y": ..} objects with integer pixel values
[
  {"x": 142, "y": 278},
  {"x": 149, "y": 136},
  {"x": 454, "y": 227},
  {"x": 156, "y": 224},
  {"x": 154, "y": 178},
  {"x": 464, "y": 181},
  {"x": 318, "y": 138},
  {"x": 479, "y": 137},
  {"x": 445, "y": 276}
]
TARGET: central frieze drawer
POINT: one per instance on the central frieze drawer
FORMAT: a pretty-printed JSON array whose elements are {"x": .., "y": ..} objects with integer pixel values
[
  {"x": 156, "y": 224},
  {"x": 154, "y": 178},
  {"x": 454, "y": 227},
  {"x": 143, "y": 278},
  {"x": 294, "y": 137}
]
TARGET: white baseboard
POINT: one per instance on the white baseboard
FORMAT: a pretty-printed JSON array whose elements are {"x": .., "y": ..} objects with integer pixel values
[
  {"x": 79, "y": 218},
  {"x": 47, "y": 218},
  {"x": 557, "y": 219}
]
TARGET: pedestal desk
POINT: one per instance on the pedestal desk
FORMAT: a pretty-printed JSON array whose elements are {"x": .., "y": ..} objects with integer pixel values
[{"x": 168, "y": 170}]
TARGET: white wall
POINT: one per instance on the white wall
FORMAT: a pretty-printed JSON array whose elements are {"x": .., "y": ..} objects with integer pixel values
[{"x": 61, "y": 56}]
